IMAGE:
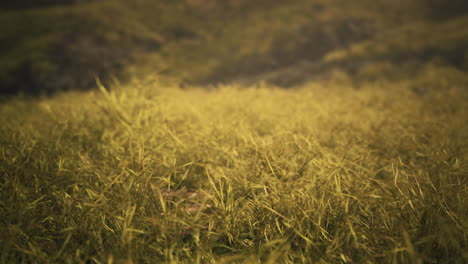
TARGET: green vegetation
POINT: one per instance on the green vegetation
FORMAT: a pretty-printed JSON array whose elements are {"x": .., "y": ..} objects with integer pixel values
[{"x": 150, "y": 173}]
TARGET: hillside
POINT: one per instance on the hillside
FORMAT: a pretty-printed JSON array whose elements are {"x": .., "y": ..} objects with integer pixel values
[{"x": 53, "y": 47}]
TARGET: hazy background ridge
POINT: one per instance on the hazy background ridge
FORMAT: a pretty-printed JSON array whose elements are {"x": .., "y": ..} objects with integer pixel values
[{"x": 61, "y": 45}]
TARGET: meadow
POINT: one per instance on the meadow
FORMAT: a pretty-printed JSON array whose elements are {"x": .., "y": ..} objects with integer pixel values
[
  {"x": 234, "y": 131},
  {"x": 148, "y": 172}
]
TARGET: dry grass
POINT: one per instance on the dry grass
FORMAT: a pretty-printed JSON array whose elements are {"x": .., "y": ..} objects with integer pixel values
[{"x": 153, "y": 174}]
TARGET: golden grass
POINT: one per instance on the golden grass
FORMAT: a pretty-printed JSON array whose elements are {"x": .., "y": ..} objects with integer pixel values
[{"x": 154, "y": 174}]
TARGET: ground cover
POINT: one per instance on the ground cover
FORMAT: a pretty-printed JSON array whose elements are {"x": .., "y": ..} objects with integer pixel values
[{"x": 151, "y": 173}]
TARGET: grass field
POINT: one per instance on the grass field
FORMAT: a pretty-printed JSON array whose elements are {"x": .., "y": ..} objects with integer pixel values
[
  {"x": 151, "y": 173},
  {"x": 198, "y": 156}
]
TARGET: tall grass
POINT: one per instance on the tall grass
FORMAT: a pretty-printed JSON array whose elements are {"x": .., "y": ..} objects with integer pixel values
[{"x": 155, "y": 174}]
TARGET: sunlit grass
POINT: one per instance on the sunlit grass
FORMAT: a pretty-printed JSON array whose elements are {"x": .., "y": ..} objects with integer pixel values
[{"x": 152, "y": 173}]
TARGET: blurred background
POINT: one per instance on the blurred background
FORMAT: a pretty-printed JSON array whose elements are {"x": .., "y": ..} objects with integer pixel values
[{"x": 53, "y": 45}]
